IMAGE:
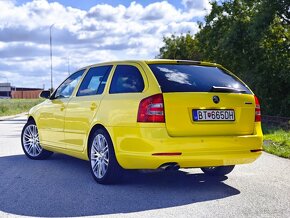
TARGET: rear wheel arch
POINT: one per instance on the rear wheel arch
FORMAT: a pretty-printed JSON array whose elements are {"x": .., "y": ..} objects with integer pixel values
[
  {"x": 99, "y": 157},
  {"x": 93, "y": 129}
]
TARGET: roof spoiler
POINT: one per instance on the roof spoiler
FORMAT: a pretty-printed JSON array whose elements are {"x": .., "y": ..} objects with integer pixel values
[{"x": 189, "y": 62}]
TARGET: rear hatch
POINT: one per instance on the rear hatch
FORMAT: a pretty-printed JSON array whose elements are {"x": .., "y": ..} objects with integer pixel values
[{"x": 204, "y": 100}]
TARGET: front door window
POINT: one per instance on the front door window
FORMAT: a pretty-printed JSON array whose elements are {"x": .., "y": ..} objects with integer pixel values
[{"x": 66, "y": 89}]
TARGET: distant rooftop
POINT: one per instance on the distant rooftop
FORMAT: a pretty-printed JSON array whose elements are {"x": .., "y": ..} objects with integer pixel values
[{"x": 7, "y": 87}]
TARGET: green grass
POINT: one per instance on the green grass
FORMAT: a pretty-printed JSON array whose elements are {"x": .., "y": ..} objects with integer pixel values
[
  {"x": 16, "y": 106},
  {"x": 277, "y": 141}
]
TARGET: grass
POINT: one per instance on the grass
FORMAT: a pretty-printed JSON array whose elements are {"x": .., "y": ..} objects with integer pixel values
[
  {"x": 16, "y": 106},
  {"x": 277, "y": 141}
]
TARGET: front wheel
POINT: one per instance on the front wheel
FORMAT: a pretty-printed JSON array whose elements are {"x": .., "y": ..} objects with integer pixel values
[
  {"x": 30, "y": 142},
  {"x": 218, "y": 171},
  {"x": 104, "y": 166}
]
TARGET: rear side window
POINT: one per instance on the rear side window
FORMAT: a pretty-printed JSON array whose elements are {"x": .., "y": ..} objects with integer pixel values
[
  {"x": 94, "y": 81},
  {"x": 192, "y": 78},
  {"x": 126, "y": 79}
]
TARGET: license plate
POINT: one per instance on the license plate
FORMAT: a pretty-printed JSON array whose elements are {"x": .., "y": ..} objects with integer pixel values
[{"x": 213, "y": 115}]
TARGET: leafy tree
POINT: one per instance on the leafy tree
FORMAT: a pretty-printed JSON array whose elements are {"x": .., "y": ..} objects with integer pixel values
[
  {"x": 179, "y": 47},
  {"x": 251, "y": 38}
]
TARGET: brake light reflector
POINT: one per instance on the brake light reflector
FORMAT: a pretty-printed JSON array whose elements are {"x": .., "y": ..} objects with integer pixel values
[
  {"x": 167, "y": 154},
  {"x": 151, "y": 109},
  {"x": 257, "y": 110}
]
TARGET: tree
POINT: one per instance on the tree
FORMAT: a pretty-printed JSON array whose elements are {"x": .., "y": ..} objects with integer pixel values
[
  {"x": 251, "y": 38},
  {"x": 179, "y": 47}
]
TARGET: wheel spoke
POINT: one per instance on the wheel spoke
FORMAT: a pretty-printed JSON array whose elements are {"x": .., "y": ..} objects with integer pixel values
[
  {"x": 29, "y": 148},
  {"x": 35, "y": 133},
  {"x": 103, "y": 144},
  {"x": 102, "y": 170},
  {"x": 106, "y": 161},
  {"x": 95, "y": 167},
  {"x": 33, "y": 150},
  {"x": 29, "y": 131},
  {"x": 26, "y": 135},
  {"x": 95, "y": 149},
  {"x": 98, "y": 139},
  {"x": 105, "y": 150},
  {"x": 99, "y": 170},
  {"x": 38, "y": 148}
]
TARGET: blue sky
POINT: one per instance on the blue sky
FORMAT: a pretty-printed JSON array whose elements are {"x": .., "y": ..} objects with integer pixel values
[{"x": 86, "y": 32}]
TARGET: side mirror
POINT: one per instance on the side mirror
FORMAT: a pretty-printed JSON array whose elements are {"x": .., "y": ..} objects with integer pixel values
[{"x": 45, "y": 94}]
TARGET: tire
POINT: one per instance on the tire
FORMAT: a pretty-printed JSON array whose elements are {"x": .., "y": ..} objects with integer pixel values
[
  {"x": 30, "y": 142},
  {"x": 218, "y": 171},
  {"x": 104, "y": 166}
]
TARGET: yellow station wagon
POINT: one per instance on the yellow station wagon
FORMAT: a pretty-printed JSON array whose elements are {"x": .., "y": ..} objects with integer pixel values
[{"x": 155, "y": 114}]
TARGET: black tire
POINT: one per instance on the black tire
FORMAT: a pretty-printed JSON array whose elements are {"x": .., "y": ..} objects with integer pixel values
[
  {"x": 113, "y": 171},
  {"x": 34, "y": 145},
  {"x": 218, "y": 171}
]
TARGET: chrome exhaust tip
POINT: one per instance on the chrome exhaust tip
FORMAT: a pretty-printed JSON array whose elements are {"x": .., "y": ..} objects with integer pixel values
[{"x": 170, "y": 166}]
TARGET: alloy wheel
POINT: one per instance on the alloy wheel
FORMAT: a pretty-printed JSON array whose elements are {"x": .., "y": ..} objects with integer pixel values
[
  {"x": 99, "y": 156},
  {"x": 31, "y": 141}
]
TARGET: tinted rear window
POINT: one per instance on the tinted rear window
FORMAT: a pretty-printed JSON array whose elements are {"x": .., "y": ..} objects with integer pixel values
[
  {"x": 192, "y": 78},
  {"x": 126, "y": 79}
]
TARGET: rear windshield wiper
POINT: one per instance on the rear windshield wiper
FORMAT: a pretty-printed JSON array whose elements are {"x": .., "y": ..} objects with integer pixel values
[{"x": 226, "y": 89}]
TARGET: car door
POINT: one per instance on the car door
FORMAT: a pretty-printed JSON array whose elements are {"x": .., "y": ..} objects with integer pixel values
[
  {"x": 51, "y": 117},
  {"x": 119, "y": 107},
  {"x": 82, "y": 108}
]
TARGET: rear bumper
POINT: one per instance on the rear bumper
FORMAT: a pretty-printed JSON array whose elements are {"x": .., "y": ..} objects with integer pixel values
[
  {"x": 134, "y": 148},
  {"x": 139, "y": 161}
]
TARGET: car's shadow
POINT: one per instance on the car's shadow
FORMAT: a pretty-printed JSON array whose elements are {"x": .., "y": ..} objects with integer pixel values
[{"x": 63, "y": 186}]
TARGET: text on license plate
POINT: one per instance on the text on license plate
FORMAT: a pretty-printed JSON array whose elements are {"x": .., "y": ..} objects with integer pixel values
[{"x": 213, "y": 115}]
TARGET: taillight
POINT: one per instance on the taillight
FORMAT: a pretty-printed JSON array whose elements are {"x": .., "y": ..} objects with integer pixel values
[
  {"x": 257, "y": 110},
  {"x": 151, "y": 109}
]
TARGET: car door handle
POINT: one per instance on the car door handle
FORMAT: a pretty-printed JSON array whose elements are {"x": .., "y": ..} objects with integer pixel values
[
  {"x": 93, "y": 106},
  {"x": 62, "y": 107}
]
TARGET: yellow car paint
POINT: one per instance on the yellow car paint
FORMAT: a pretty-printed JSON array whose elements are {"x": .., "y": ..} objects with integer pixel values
[{"x": 66, "y": 124}]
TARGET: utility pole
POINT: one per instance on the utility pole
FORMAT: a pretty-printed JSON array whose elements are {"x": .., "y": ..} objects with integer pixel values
[
  {"x": 50, "y": 42},
  {"x": 68, "y": 67}
]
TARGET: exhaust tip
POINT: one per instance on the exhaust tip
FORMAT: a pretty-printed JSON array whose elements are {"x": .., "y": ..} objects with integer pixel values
[
  {"x": 170, "y": 166},
  {"x": 256, "y": 150}
]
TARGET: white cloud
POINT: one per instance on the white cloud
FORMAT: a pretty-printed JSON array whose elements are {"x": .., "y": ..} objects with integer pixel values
[
  {"x": 102, "y": 33},
  {"x": 196, "y": 4},
  {"x": 197, "y": 7}
]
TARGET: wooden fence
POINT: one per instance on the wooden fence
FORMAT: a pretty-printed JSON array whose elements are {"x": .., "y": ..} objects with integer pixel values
[{"x": 25, "y": 94}]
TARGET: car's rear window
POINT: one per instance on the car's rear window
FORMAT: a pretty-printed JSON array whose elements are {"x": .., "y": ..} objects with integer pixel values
[{"x": 193, "y": 78}]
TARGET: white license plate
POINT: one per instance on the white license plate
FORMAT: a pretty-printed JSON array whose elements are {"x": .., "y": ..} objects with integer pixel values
[{"x": 213, "y": 115}]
